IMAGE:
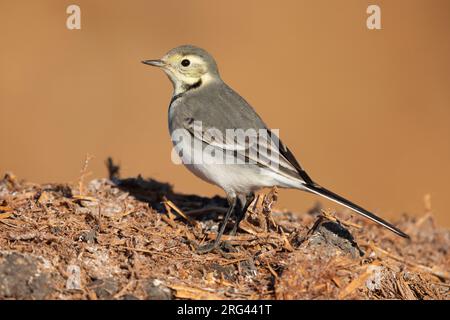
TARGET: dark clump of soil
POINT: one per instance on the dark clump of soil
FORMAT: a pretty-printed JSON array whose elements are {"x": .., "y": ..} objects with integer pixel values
[{"x": 136, "y": 239}]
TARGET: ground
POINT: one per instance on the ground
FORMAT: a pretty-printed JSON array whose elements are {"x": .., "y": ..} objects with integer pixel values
[{"x": 136, "y": 239}]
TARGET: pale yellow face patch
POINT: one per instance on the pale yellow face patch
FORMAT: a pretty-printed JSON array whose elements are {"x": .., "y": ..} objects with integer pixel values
[
  {"x": 182, "y": 76},
  {"x": 196, "y": 69}
]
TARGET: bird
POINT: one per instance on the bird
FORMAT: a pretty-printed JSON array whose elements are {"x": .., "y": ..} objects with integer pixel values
[{"x": 202, "y": 111}]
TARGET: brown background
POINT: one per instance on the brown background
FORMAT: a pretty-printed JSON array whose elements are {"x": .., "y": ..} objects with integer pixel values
[{"x": 366, "y": 112}]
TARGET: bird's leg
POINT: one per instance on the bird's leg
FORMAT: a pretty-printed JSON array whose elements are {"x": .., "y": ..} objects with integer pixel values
[
  {"x": 211, "y": 246},
  {"x": 241, "y": 214}
]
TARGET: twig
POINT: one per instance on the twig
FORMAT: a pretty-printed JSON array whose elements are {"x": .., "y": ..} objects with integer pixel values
[
  {"x": 427, "y": 202},
  {"x": 170, "y": 214},
  {"x": 145, "y": 251},
  {"x": 272, "y": 271},
  {"x": 328, "y": 215},
  {"x": 84, "y": 198},
  {"x": 356, "y": 283},
  {"x": 123, "y": 290},
  {"x": 239, "y": 238},
  {"x": 227, "y": 262},
  {"x": 9, "y": 225},
  {"x": 287, "y": 244},
  {"x": 83, "y": 173},
  {"x": 250, "y": 228},
  {"x": 424, "y": 218},
  {"x": 5, "y": 215},
  {"x": 185, "y": 292},
  {"x": 197, "y": 212},
  {"x": 170, "y": 222},
  {"x": 5, "y": 208},
  {"x": 441, "y": 284},
  {"x": 181, "y": 213}
]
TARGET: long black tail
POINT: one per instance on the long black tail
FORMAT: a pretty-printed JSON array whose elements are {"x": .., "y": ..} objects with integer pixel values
[{"x": 346, "y": 203}]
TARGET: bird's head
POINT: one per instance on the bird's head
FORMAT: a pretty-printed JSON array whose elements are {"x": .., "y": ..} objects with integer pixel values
[{"x": 187, "y": 67}]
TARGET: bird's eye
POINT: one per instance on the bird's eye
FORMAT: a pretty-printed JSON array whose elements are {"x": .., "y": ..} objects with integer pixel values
[{"x": 185, "y": 62}]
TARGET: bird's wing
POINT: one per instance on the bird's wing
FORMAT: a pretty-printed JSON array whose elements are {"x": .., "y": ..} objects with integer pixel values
[{"x": 226, "y": 110}]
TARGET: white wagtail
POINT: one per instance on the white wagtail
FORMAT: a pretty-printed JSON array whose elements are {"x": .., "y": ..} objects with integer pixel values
[{"x": 201, "y": 103}]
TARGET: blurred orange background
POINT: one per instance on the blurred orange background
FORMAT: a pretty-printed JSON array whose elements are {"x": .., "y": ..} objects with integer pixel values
[{"x": 367, "y": 112}]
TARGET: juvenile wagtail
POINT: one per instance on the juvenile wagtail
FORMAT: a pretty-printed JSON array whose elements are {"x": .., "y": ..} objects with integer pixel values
[{"x": 203, "y": 107}]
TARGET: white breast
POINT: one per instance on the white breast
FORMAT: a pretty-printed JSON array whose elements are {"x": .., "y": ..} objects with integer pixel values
[{"x": 233, "y": 178}]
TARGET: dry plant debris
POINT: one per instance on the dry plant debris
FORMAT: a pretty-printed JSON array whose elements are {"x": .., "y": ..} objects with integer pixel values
[{"x": 135, "y": 239}]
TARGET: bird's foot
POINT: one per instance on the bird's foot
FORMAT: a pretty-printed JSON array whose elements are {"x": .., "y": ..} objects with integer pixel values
[
  {"x": 223, "y": 247},
  {"x": 226, "y": 250},
  {"x": 228, "y": 247},
  {"x": 207, "y": 248}
]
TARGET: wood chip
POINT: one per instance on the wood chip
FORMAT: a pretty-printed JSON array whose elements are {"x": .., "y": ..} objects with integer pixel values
[
  {"x": 442, "y": 274},
  {"x": 356, "y": 283},
  {"x": 5, "y": 215},
  {"x": 172, "y": 205},
  {"x": 188, "y": 292}
]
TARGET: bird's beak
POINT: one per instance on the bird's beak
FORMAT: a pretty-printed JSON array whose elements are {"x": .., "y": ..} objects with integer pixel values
[{"x": 155, "y": 63}]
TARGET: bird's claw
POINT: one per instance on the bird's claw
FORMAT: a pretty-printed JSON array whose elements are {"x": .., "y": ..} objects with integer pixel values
[{"x": 207, "y": 248}]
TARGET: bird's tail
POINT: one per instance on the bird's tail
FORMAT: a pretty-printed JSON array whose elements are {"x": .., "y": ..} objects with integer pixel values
[{"x": 346, "y": 203}]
